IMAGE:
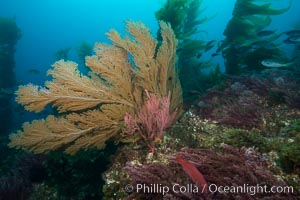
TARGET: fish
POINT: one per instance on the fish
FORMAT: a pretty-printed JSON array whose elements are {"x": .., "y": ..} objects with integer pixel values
[
  {"x": 263, "y": 44},
  {"x": 221, "y": 46},
  {"x": 295, "y": 39},
  {"x": 287, "y": 41},
  {"x": 293, "y": 33},
  {"x": 33, "y": 71},
  {"x": 193, "y": 172},
  {"x": 243, "y": 66},
  {"x": 272, "y": 63},
  {"x": 259, "y": 44},
  {"x": 214, "y": 54},
  {"x": 6, "y": 91},
  {"x": 212, "y": 42},
  {"x": 210, "y": 45},
  {"x": 265, "y": 33}
]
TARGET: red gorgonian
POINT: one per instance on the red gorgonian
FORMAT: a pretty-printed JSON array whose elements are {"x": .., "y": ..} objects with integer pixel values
[{"x": 152, "y": 120}]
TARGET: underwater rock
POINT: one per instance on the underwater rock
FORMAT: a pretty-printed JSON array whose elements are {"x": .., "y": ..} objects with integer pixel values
[
  {"x": 246, "y": 101},
  {"x": 230, "y": 168}
]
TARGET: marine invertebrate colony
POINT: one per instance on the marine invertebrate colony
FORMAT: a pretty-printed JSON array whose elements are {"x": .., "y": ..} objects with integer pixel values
[
  {"x": 92, "y": 107},
  {"x": 151, "y": 121}
]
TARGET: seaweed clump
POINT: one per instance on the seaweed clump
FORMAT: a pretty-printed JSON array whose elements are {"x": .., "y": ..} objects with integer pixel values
[
  {"x": 18, "y": 182},
  {"x": 251, "y": 100},
  {"x": 84, "y": 49},
  {"x": 229, "y": 167},
  {"x": 62, "y": 53},
  {"x": 78, "y": 177}
]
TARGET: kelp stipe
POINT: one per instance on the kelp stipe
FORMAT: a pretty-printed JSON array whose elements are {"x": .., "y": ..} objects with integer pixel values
[{"x": 185, "y": 17}]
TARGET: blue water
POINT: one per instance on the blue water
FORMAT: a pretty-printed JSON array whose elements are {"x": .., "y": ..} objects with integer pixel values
[{"x": 49, "y": 25}]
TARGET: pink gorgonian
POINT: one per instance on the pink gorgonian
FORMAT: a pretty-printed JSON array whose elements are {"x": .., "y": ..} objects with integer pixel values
[{"x": 152, "y": 120}]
